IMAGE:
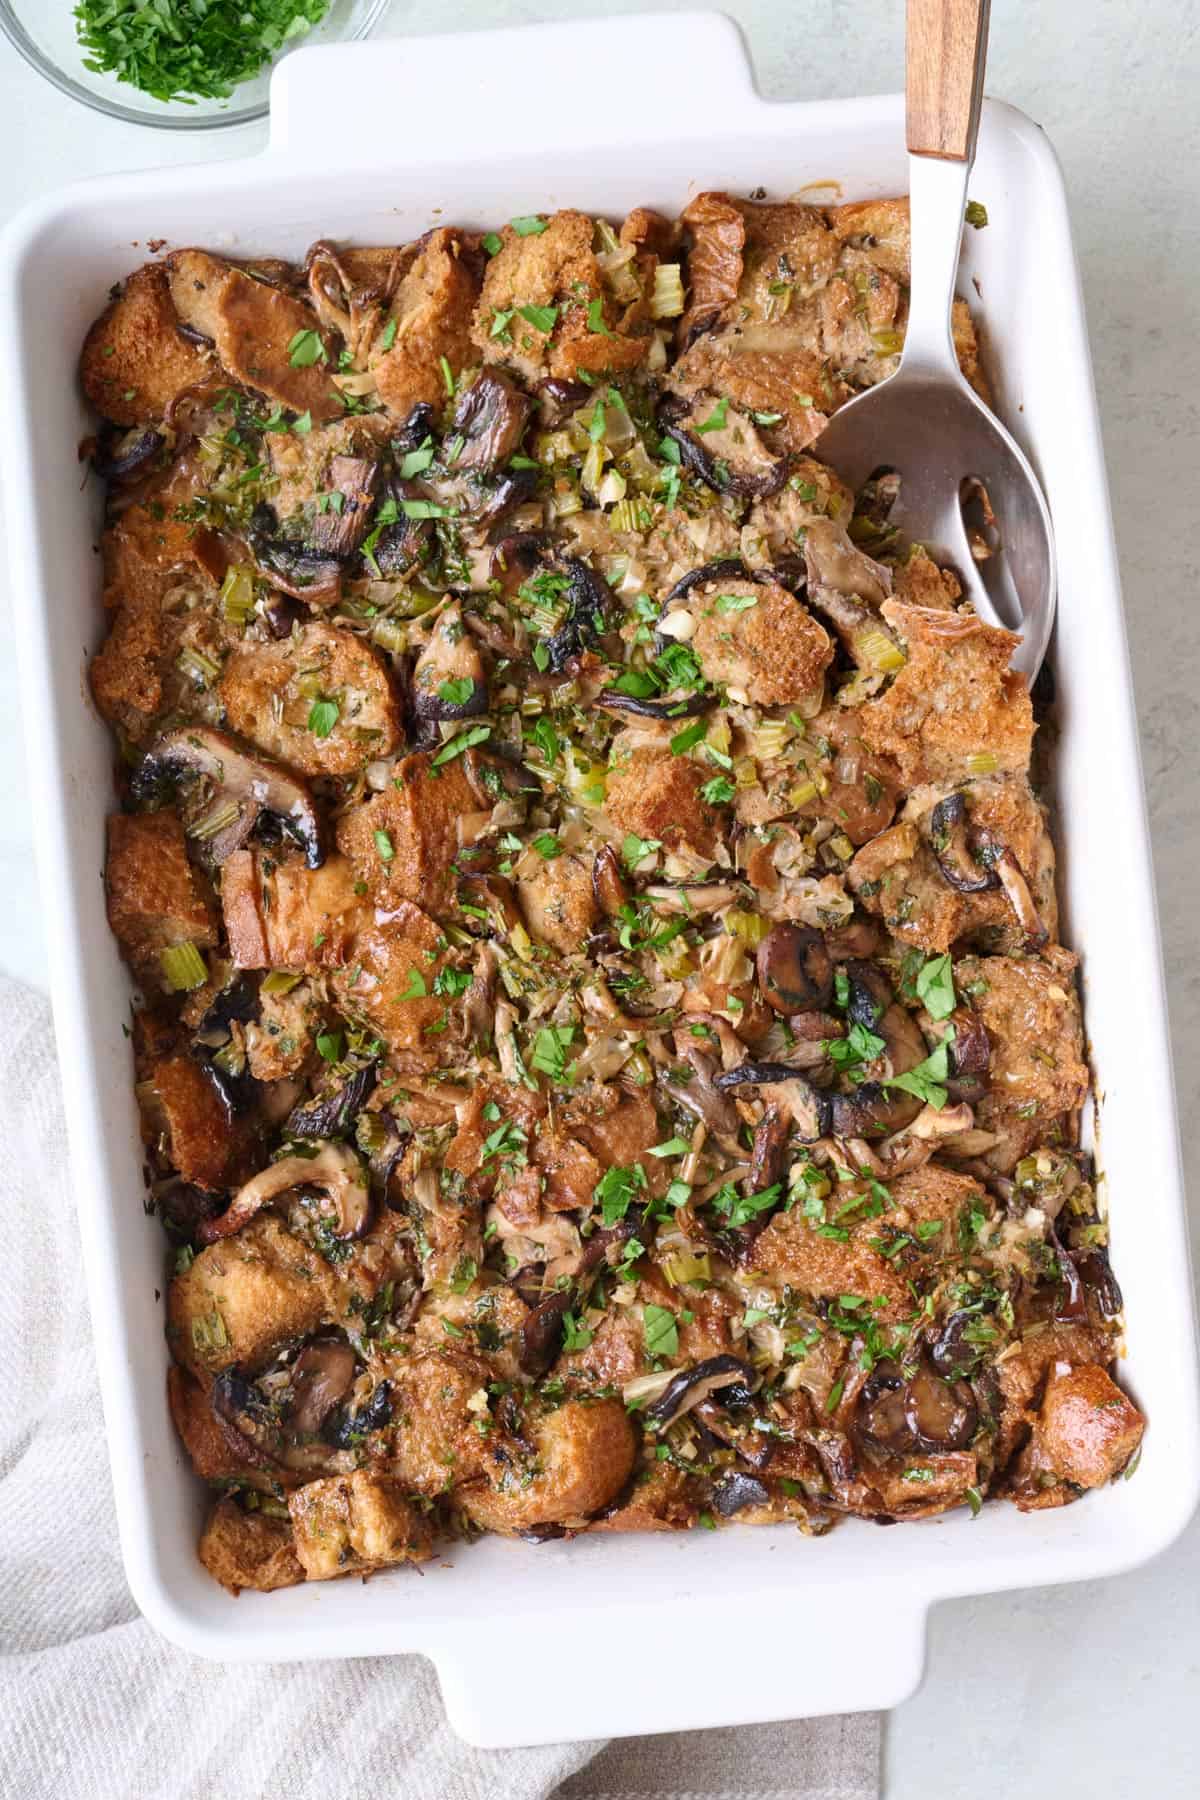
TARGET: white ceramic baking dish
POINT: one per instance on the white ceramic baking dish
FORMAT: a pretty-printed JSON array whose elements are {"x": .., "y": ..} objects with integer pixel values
[{"x": 604, "y": 1635}]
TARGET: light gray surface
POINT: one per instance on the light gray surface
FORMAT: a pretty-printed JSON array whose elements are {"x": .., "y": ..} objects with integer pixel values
[{"x": 1090, "y": 1690}]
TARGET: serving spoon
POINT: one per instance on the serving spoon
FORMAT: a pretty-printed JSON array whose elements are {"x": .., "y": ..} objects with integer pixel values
[{"x": 926, "y": 423}]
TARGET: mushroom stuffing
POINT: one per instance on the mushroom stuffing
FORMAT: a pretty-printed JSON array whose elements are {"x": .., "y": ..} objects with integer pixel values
[{"x": 604, "y": 1052}]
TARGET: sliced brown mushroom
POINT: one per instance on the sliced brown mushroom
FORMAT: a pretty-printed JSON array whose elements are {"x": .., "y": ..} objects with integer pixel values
[
  {"x": 346, "y": 1428},
  {"x": 609, "y": 888},
  {"x": 735, "y": 1491},
  {"x": 558, "y": 399},
  {"x": 699, "y": 1093},
  {"x": 715, "y": 1375},
  {"x": 119, "y": 455},
  {"x": 490, "y": 418},
  {"x": 322, "y": 1376},
  {"x": 298, "y": 569},
  {"x": 971, "y": 1048},
  {"x": 517, "y": 558},
  {"x": 899, "y": 1413},
  {"x": 401, "y": 541},
  {"x": 873, "y": 1109},
  {"x": 664, "y": 709},
  {"x": 493, "y": 897},
  {"x": 448, "y": 679},
  {"x": 953, "y": 1352},
  {"x": 795, "y": 969},
  {"x": 950, "y": 839},
  {"x": 334, "y": 1170},
  {"x": 767, "y": 1156},
  {"x": 341, "y": 528},
  {"x": 333, "y": 1115},
  {"x": 783, "y": 1086},
  {"x": 247, "y": 789},
  {"x": 720, "y": 445},
  {"x": 940, "y": 1414},
  {"x": 1012, "y": 879},
  {"x": 696, "y": 896},
  {"x": 479, "y": 1001}
]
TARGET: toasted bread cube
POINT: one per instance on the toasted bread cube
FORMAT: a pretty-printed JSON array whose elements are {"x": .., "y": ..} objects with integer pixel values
[
  {"x": 156, "y": 897},
  {"x": 351, "y": 1524},
  {"x": 249, "y": 1550}
]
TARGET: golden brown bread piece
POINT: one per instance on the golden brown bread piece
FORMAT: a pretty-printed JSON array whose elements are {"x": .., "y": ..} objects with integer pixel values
[
  {"x": 557, "y": 270},
  {"x": 135, "y": 362},
  {"x": 771, "y": 649},
  {"x": 390, "y": 978},
  {"x": 955, "y": 698},
  {"x": 352, "y": 1524},
  {"x": 243, "y": 1297},
  {"x": 253, "y": 327},
  {"x": 403, "y": 841},
  {"x": 585, "y": 1452},
  {"x": 657, "y": 795},
  {"x": 427, "y": 319},
  {"x": 156, "y": 897},
  {"x": 280, "y": 914},
  {"x": 557, "y": 900},
  {"x": 266, "y": 690},
  {"x": 793, "y": 1250},
  {"x": 249, "y": 1550},
  {"x": 1085, "y": 1432}
]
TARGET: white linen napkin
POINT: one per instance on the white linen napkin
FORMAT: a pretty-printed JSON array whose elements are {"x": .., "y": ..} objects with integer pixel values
[{"x": 95, "y": 1706}]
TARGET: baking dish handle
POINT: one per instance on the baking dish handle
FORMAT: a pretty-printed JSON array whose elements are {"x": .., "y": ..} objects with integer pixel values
[
  {"x": 678, "y": 1666},
  {"x": 419, "y": 101}
]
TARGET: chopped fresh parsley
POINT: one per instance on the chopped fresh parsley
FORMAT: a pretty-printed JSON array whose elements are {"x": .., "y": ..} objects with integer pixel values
[
  {"x": 329, "y": 1045},
  {"x": 385, "y": 847},
  {"x": 927, "y": 1080},
  {"x": 716, "y": 418},
  {"x": 739, "y": 1209},
  {"x": 306, "y": 349},
  {"x": 529, "y": 226},
  {"x": 550, "y": 1048},
  {"x": 189, "y": 49},
  {"x": 416, "y": 989},
  {"x": 662, "y": 1336},
  {"x": 616, "y": 1191},
  {"x": 935, "y": 987},
  {"x": 322, "y": 717},
  {"x": 542, "y": 318},
  {"x": 456, "y": 692},
  {"x": 466, "y": 740}
]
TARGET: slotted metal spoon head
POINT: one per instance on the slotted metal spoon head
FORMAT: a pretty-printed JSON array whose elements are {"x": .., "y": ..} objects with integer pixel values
[{"x": 926, "y": 422}]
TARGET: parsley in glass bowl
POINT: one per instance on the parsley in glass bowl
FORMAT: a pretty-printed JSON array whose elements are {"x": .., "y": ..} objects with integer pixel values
[{"x": 44, "y": 31}]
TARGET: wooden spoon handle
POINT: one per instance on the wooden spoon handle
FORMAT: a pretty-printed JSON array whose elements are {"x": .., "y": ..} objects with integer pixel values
[{"x": 946, "y": 53}]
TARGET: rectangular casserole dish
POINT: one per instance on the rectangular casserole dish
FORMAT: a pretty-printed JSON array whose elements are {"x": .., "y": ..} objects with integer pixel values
[{"x": 744, "y": 1625}]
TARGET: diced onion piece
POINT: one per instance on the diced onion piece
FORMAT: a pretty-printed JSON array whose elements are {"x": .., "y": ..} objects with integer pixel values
[
  {"x": 888, "y": 341},
  {"x": 667, "y": 300},
  {"x": 611, "y": 489},
  {"x": 183, "y": 967},
  {"x": 745, "y": 772}
]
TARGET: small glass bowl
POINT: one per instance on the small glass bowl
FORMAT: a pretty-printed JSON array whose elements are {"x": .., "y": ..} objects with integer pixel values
[{"x": 45, "y": 35}]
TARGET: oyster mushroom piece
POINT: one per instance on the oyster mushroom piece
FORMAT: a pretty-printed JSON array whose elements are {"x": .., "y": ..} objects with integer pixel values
[
  {"x": 687, "y": 1389},
  {"x": 248, "y": 787},
  {"x": 665, "y": 709},
  {"x": 795, "y": 969},
  {"x": 334, "y": 1115},
  {"x": 356, "y": 479},
  {"x": 609, "y": 888},
  {"x": 721, "y": 446},
  {"x": 490, "y": 417},
  {"x": 335, "y": 1169},
  {"x": 950, "y": 839},
  {"x": 1012, "y": 879},
  {"x": 784, "y": 1087}
]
